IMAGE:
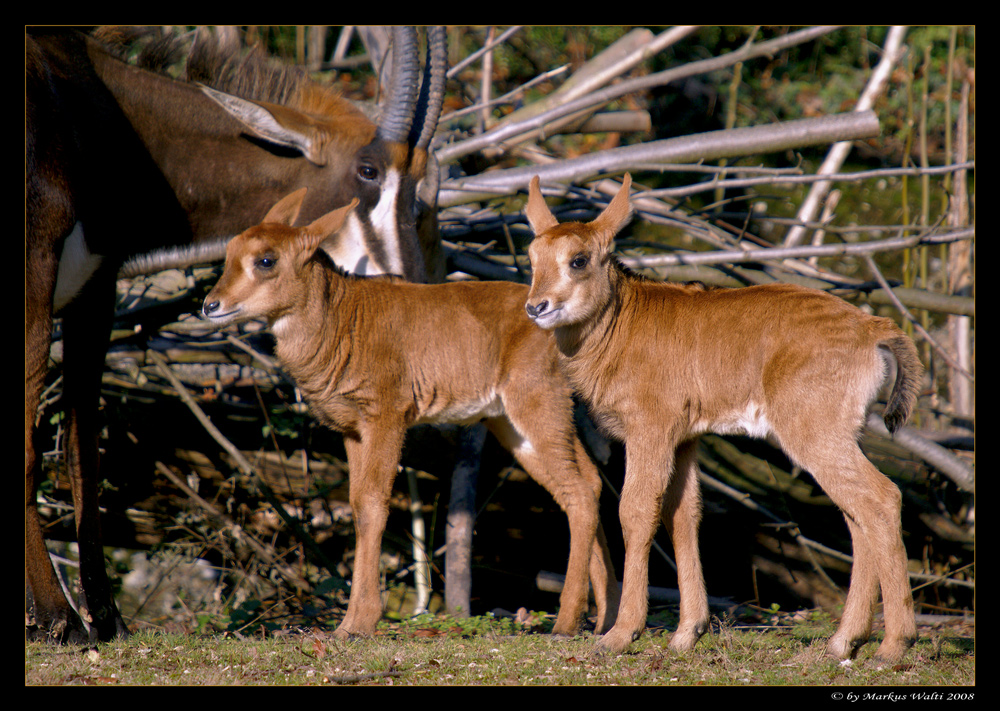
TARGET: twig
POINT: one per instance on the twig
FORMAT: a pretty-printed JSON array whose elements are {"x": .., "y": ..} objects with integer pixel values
[
  {"x": 780, "y": 253},
  {"x": 746, "y": 500},
  {"x": 835, "y": 158},
  {"x": 421, "y": 560},
  {"x": 238, "y": 532},
  {"x": 355, "y": 678},
  {"x": 947, "y": 578},
  {"x": 506, "y": 98},
  {"x": 454, "y": 71},
  {"x": 833, "y": 177},
  {"x": 242, "y": 463},
  {"x": 263, "y": 359}
]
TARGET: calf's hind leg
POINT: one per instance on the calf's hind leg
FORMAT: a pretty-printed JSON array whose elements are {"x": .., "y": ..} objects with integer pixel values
[
  {"x": 552, "y": 464},
  {"x": 872, "y": 506},
  {"x": 681, "y": 516}
]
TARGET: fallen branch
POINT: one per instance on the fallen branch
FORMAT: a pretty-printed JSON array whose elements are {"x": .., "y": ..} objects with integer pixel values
[
  {"x": 711, "y": 145},
  {"x": 758, "y": 254},
  {"x": 789, "y": 179},
  {"x": 934, "y": 454},
  {"x": 892, "y": 51}
]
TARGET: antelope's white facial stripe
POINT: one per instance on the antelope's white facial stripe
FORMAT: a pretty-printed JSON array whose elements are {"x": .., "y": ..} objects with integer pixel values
[
  {"x": 371, "y": 247},
  {"x": 348, "y": 250},
  {"x": 385, "y": 221}
]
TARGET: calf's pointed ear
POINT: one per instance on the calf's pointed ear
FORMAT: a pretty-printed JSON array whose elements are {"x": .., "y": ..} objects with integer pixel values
[
  {"x": 324, "y": 227},
  {"x": 616, "y": 215},
  {"x": 539, "y": 216},
  {"x": 286, "y": 210}
]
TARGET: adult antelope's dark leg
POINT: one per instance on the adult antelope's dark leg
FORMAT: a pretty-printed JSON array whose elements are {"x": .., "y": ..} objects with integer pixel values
[
  {"x": 49, "y": 217},
  {"x": 86, "y": 331},
  {"x": 50, "y": 616}
]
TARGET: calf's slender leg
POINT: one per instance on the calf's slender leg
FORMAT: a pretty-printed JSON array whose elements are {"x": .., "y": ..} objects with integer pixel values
[
  {"x": 682, "y": 517},
  {"x": 373, "y": 458}
]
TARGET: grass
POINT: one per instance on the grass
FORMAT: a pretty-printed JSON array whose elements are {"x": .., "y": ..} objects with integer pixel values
[{"x": 487, "y": 651}]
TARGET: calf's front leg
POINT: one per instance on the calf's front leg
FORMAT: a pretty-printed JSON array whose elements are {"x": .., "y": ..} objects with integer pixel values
[
  {"x": 648, "y": 469},
  {"x": 373, "y": 460}
]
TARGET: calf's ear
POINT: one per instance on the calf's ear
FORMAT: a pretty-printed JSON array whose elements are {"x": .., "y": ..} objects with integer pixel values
[
  {"x": 616, "y": 215},
  {"x": 539, "y": 216},
  {"x": 286, "y": 210}
]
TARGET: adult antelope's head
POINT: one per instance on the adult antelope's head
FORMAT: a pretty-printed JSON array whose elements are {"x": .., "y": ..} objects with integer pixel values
[{"x": 386, "y": 166}]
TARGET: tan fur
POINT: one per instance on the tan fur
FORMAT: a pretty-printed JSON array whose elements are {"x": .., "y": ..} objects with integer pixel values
[
  {"x": 375, "y": 356},
  {"x": 660, "y": 364}
]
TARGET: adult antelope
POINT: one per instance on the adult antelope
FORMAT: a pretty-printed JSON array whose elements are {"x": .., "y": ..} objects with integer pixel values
[
  {"x": 374, "y": 356},
  {"x": 660, "y": 364},
  {"x": 109, "y": 146}
]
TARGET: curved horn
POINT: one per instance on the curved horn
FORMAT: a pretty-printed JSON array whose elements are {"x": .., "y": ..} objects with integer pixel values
[
  {"x": 397, "y": 117},
  {"x": 432, "y": 89}
]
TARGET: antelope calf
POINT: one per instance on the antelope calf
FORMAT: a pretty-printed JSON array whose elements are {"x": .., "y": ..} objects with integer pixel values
[
  {"x": 374, "y": 356},
  {"x": 660, "y": 364}
]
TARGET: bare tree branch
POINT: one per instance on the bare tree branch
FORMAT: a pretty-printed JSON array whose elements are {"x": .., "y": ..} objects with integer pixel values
[
  {"x": 729, "y": 143},
  {"x": 835, "y": 158},
  {"x": 504, "y": 134}
]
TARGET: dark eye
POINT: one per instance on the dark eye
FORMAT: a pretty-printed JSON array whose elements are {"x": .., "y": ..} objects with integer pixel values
[
  {"x": 266, "y": 262},
  {"x": 367, "y": 172},
  {"x": 579, "y": 262}
]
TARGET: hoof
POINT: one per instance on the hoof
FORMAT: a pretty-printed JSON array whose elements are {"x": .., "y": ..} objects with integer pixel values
[
  {"x": 842, "y": 648},
  {"x": 893, "y": 651},
  {"x": 687, "y": 636},
  {"x": 346, "y": 635},
  {"x": 565, "y": 631},
  {"x": 681, "y": 642},
  {"x": 616, "y": 641}
]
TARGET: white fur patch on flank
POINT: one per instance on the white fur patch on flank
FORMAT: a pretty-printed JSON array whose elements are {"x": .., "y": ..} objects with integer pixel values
[
  {"x": 465, "y": 412},
  {"x": 76, "y": 265},
  {"x": 750, "y": 422}
]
